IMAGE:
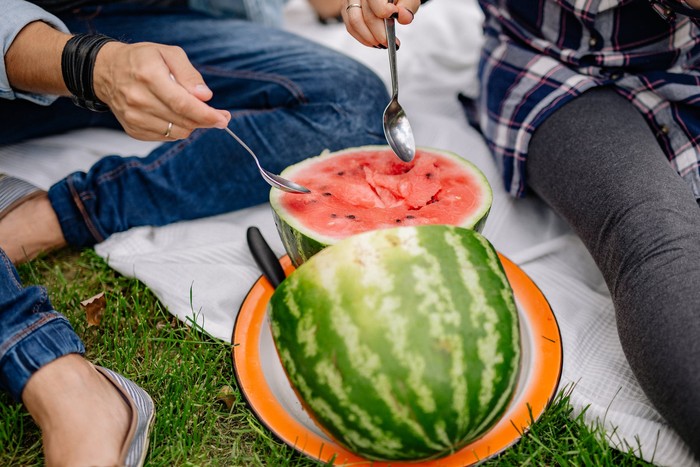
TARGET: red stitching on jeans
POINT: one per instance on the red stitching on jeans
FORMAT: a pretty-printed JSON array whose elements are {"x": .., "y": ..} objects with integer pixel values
[
  {"x": 79, "y": 204},
  {"x": 162, "y": 159}
]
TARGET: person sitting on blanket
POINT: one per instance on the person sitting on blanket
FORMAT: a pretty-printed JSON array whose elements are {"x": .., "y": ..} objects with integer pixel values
[
  {"x": 163, "y": 71},
  {"x": 595, "y": 108}
]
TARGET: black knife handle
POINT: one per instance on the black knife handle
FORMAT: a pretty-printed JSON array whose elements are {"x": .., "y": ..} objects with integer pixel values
[{"x": 264, "y": 257}]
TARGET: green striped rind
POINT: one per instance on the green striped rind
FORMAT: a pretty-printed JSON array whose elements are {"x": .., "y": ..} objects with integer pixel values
[
  {"x": 298, "y": 246},
  {"x": 404, "y": 343},
  {"x": 301, "y": 243}
]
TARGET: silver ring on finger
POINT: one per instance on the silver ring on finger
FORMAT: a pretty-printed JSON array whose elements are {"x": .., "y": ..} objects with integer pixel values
[
  {"x": 170, "y": 128},
  {"x": 353, "y": 5}
]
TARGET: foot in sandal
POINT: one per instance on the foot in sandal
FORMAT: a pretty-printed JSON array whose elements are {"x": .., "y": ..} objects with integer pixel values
[{"x": 89, "y": 415}]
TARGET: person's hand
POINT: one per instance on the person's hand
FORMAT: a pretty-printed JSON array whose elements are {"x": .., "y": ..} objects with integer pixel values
[
  {"x": 149, "y": 86},
  {"x": 366, "y": 21}
]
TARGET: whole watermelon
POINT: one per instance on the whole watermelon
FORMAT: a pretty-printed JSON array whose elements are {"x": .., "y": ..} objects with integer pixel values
[
  {"x": 402, "y": 343},
  {"x": 369, "y": 188}
]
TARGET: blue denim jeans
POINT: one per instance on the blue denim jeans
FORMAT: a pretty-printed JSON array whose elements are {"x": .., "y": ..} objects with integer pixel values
[
  {"x": 32, "y": 334},
  {"x": 289, "y": 99}
]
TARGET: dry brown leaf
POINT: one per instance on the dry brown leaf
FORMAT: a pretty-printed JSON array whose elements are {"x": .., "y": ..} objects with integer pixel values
[
  {"x": 227, "y": 396},
  {"x": 95, "y": 308}
]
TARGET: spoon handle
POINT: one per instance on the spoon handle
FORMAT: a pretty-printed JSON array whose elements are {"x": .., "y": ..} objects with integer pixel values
[{"x": 390, "y": 27}]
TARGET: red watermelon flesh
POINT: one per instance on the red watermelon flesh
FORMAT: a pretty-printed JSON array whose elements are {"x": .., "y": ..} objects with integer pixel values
[{"x": 371, "y": 189}]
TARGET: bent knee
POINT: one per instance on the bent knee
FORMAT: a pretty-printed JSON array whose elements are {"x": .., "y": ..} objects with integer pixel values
[{"x": 351, "y": 84}]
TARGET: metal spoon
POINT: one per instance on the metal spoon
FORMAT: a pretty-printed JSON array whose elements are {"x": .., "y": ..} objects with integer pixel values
[
  {"x": 397, "y": 129},
  {"x": 274, "y": 180}
]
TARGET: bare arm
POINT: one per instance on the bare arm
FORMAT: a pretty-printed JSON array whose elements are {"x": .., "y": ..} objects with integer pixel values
[
  {"x": 134, "y": 80},
  {"x": 33, "y": 61}
]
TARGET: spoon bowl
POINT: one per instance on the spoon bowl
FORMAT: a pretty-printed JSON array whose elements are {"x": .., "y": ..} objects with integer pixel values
[
  {"x": 397, "y": 128},
  {"x": 398, "y": 132}
]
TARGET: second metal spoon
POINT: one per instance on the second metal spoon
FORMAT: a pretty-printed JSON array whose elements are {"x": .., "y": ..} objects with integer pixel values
[
  {"x": 275, "y": 181},
  {"x": 397, "y": 129}
]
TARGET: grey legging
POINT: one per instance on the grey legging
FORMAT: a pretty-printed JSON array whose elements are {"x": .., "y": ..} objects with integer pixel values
[{"x": 597, "y": 164}]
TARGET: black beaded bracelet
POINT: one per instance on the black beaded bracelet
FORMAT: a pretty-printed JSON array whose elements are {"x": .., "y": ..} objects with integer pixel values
[{"x": 78, "y": 65}]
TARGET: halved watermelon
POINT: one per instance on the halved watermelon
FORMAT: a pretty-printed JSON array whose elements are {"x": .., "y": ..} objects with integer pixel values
[{"x": 369, "y": 188}]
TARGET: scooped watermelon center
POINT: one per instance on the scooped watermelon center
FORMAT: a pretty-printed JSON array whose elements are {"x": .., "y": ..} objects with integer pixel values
[{"x": 370, "y": 190}]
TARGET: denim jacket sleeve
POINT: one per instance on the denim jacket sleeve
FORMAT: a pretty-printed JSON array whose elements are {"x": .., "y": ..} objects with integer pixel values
[
  {"x": 15, "y": 16},
  {"x": 262, "y": 11}
]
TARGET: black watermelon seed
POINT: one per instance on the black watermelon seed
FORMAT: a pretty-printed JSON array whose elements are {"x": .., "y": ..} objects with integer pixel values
[
  {"x": 326, "y": 194},
  {"x": 410, "y": 217},
  {"x": 341, "y": 173},
  {"x": 398, "y": 221},
  {"x": 350, "y": 216},
  {"x": 334, "y": 215}
]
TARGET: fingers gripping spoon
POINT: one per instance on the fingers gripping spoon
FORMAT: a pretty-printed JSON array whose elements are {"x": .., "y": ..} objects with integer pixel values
[{"x": 397, "y": 129}]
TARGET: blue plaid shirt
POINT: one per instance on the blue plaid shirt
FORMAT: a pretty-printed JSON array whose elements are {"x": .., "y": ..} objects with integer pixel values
[{"x": 540, "y": 54}]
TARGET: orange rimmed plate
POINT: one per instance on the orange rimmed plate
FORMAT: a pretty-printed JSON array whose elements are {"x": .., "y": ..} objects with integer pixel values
[{"x": 267, "y": 390}]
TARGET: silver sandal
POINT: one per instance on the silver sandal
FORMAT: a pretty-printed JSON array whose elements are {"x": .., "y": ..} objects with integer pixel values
[{"x": 135, "y": 446}]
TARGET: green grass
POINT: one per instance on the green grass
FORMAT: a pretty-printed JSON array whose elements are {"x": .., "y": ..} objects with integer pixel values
[{"x": 185, "y": 371}]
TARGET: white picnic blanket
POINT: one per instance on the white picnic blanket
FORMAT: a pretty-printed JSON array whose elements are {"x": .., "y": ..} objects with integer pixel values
[{"x": 201, "y": 270}]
